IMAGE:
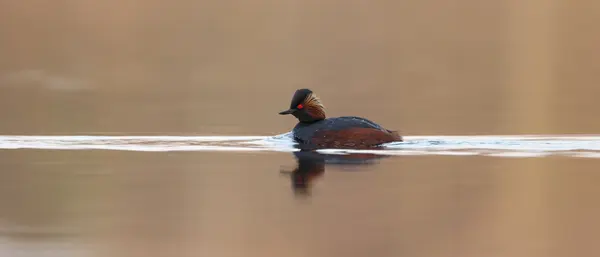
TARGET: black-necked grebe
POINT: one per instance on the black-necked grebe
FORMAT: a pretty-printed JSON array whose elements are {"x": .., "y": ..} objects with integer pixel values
[{"x": 315, "y": 130}]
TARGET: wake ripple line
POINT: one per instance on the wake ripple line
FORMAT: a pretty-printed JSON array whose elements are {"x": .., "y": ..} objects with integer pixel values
[{"x": 519, "y": 146}]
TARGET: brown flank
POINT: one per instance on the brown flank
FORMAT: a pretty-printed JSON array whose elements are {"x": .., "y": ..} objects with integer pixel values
[{"x": 354, "y": 138}]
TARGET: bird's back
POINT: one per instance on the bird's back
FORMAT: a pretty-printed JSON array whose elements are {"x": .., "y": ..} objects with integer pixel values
[{"x": 347, "y": 131}]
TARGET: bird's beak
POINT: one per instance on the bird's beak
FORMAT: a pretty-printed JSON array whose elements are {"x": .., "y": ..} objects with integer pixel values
[{"x": 290, "y": 111}]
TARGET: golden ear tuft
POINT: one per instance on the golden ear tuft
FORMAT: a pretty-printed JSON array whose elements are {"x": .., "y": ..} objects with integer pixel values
[
  {"x": 314, "y": 107},
  {"x": 314, "y": 100}
]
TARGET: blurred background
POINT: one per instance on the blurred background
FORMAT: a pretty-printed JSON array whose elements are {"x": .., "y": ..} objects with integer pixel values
[
  {"x": 432, "y": 67},
  {"x": 423, "y": 67}
]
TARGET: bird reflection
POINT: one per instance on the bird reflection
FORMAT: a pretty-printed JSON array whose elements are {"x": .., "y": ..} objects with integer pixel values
[{"x": 311, "y": 166}]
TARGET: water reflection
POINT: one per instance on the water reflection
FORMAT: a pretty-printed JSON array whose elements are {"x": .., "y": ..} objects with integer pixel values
[{"x": 311, "y": 166}]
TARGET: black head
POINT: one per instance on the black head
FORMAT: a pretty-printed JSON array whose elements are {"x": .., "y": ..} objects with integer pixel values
[{"x": 306, "y": 106}]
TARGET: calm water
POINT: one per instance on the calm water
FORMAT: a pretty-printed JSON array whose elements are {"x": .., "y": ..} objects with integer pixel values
[
  {"x": 148, "y": 128},
  {"x": 257, "y": 196}
]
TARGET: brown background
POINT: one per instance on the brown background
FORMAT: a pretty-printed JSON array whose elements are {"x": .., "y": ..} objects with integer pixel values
[{"x": 227, "y": 67}]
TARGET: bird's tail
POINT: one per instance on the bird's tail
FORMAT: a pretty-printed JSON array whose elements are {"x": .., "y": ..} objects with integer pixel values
[{"x": 396, "y": 136}]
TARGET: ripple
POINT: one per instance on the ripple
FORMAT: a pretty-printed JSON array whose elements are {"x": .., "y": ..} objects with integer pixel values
[{"x": 510, "y": 146}]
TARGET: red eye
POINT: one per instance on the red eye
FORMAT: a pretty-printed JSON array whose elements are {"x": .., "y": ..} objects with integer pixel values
[{"x": 300, "y": 106}]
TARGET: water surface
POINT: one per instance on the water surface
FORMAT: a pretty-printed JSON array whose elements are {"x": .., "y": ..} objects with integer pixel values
[
  {"x": 517, "y": 145},
  {"x": 257, "y": 196}
]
